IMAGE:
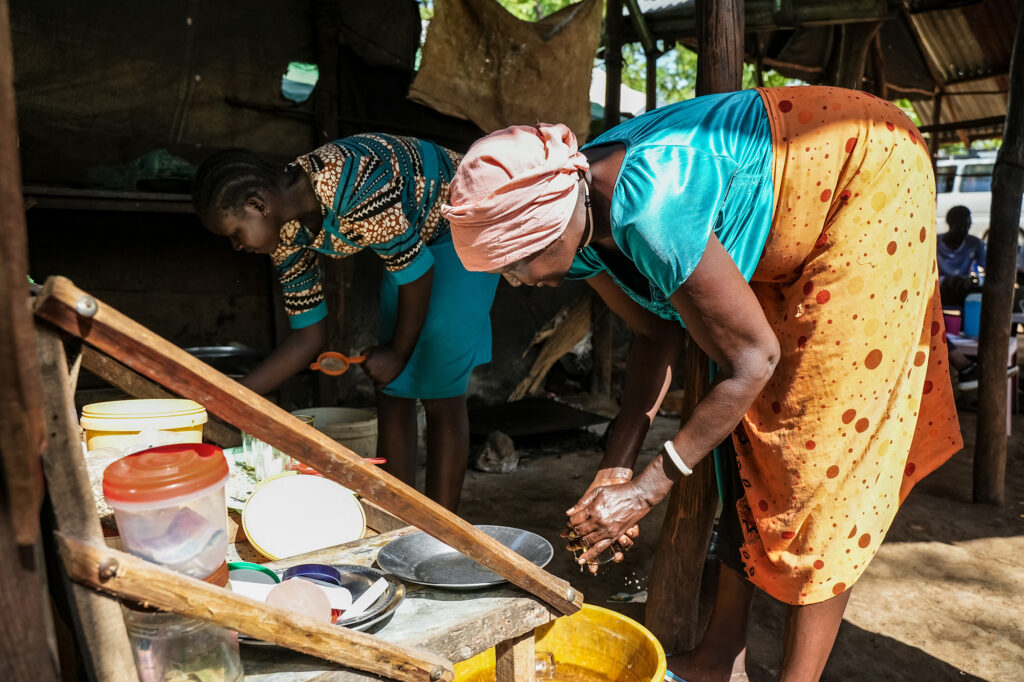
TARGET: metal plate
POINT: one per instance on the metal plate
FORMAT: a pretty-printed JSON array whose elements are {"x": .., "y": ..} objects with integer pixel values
[
  {"x": 358, "y": 579},
  {"x": 422, "y": 559}
]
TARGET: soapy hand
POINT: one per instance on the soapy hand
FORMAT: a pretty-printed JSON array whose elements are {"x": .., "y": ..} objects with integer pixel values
[
  {"x": 604, "y": 477},
  {"x": 605, "y": 515}
]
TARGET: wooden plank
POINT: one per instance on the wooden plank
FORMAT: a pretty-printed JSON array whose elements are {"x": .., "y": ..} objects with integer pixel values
[
  {"x": 137, "y": 386},
  {"x": 514, "y": 660},
  {"x": 161, "y": 361},
  {"x": 997, "y": 297},
  {"x": 21, "y": 393},
  {"x": 128, "y": 576},
  {"x": 98, "y": 620}
]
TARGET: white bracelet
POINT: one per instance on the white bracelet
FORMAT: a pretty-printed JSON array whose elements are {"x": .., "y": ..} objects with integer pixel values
[{"x": 670, "y": 450}]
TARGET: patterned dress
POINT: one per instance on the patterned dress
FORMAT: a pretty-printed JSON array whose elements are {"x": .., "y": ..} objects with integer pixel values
[
  {"x": 825, "y": 200},
  {"x": 384, "y": 192}
]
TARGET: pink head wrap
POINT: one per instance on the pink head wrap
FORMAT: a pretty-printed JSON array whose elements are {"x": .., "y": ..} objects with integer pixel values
[{"x": 513, "y": 194}]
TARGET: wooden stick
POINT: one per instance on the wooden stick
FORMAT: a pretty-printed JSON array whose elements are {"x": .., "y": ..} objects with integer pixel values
[
  {"x": 128, "y": 576},
  {"x": 138, "y": 386},
  {"x": 142, "y": 350},
  {"x": 98, "y": 618}
]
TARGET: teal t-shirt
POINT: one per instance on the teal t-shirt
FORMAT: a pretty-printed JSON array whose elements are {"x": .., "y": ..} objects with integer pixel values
[{"x": 689, "y": 168}]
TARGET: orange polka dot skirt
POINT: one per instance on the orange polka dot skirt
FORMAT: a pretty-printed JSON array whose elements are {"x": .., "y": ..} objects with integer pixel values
[{"x": 861, "y": 405}]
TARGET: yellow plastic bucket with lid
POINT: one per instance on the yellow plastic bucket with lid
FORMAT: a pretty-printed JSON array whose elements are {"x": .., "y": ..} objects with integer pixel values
[
  {"x": 118, "y": 423},
  {"x": 592, "y": 645}
]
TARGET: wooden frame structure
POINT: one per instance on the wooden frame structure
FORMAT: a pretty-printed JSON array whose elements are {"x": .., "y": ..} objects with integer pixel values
[{"x": 117, "y": 339}]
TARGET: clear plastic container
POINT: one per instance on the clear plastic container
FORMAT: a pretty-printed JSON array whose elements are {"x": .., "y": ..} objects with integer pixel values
[
  {"x": 174, "y": 648},
  {"x": 264, "y": 459},
  {"x": 170, "y": 508}
]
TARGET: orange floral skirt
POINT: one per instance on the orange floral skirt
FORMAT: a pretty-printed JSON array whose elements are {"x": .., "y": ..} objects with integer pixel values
[{"x": 861, "y": 404}]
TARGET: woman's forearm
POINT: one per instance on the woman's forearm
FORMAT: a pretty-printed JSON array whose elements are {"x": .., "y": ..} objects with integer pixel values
[
  {"x": 712, "y": 421},
  {"x": 413, "y": 301},
  {"x": 648, "y": 376},
  {"x": 288, "y": 359}
]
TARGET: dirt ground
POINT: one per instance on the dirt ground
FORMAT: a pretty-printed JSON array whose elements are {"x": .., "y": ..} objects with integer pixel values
[{"x": 942, "y": 600}]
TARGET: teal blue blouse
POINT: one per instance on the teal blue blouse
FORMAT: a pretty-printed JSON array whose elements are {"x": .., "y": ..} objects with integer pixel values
[{"x": 689, "y": 168}]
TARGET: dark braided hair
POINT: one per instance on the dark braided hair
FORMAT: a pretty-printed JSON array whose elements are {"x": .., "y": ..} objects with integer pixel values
[{"x": 226, "y": 180}]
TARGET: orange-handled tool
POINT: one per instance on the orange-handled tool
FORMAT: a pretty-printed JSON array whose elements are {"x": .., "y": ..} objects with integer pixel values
[{"x": 335, "y": 364}]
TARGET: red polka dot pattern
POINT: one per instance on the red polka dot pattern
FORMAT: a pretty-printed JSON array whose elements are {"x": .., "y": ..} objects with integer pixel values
[{"x": 860, "y": 406}]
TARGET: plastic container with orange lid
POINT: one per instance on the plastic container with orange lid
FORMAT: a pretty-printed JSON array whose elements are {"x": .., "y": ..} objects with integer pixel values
[
  {"x": 169, "y": 505},
  {"x": 133, "y": 425}
]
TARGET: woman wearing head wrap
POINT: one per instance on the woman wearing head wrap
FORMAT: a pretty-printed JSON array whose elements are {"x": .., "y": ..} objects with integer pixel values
[{"x": 792, "y": 232}]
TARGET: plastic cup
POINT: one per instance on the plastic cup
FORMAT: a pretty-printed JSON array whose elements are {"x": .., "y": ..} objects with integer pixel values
[{"x": 169, "y": 505}]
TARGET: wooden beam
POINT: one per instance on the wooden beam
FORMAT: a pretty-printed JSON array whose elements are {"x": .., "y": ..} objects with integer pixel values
[
  {"x": 964, "y": 125},
  {"x": 853, "y": 51},
  {"x": 130, "y": 577},
  {"x": 22, "y": 434},
  {"x": 612, "y": 62},
  {"x": 997, "y": 297},
  {"x": 97, "y": 618},
  {"x": 601, "y": 341},
  {"x": 100, "y": 325},
  {"x": 673, "y": 599},
  {"x": 138, "y": 386}
]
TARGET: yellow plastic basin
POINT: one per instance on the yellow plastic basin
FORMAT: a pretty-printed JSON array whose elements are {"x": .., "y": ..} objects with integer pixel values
[
  {"x": 118, "y": 423},
  {"x": 593, "y": 645}
]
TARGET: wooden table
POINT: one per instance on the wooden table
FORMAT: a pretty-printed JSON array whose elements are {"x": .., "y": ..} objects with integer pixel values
[{"x": 456, "y": 625}]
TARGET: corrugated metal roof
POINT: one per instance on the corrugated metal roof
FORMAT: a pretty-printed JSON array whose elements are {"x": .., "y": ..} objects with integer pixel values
[{"x": 959, "y": 47}]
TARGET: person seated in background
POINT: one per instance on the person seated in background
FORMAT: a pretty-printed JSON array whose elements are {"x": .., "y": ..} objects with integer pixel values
[{"x": 961, "y": 257}]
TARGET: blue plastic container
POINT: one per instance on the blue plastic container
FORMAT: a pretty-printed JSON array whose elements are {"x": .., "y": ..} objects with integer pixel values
[{"x": 972, "y": 315}]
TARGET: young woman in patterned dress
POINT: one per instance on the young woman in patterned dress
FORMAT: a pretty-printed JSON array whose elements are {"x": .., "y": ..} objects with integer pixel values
[{"x": 384, "y": 193}]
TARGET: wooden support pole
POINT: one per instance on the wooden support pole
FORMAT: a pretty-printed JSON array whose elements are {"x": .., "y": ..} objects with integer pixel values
[
  {"x": 853, "y": 52},
  {"x": 672, "y": 612},
  {"x": 612, "y": 62},
  {"x": 515, "y": 660},
  {"x": 138, "y": 386},
  {"x": 78, "y": 313},
  {"x": 997, "y": 297},
  {"x": 933, "y": 136},
  {"x": 97, "y": 618},
  {"x": 128, "y": 576},
  {"x": 21, "y": 429},
  {"x": 651, "y": 89}
]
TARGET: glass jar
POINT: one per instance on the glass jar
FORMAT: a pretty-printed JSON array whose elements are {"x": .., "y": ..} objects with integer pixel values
[{"x": 172, "y": 648}]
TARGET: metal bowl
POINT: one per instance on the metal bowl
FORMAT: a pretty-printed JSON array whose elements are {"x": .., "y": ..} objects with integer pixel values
[
  {"x": 422, "y": 559},
  {"x": 358, "y": 579}
]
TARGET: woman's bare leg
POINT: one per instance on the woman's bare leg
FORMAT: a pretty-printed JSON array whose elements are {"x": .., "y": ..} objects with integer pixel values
[
  {"x": 722, "y": 650},
  {"x": 397, "y": 437},
  {"x": 447, "y": 449},
  {"x": 810, "y": 633}
]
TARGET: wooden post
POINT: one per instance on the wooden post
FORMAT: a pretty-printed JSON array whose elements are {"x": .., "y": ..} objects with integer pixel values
[
  {"x": 997, "y": 297},
  {"x": 612, "y": 62},
  {"x": 672, "y": 612},
  {"x": 97, "y": 618},
  {"x": 128, "y": 576},
  {"x": 25, "y": 652},
  {"x": 853, "y": 52},
  {"x": 76, "y": 312},
  {"x": 21, "y": 393},
  {"x": 933, "y": 140},
  {"x": 514, "y": 659},
  {"x": 652, "y": 80}
]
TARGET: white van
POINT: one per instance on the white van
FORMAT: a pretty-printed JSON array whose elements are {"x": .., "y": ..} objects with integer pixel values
[{"x": 965, "y": 180}]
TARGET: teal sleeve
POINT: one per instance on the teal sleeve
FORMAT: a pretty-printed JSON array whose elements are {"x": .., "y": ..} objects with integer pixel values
[{"x": 667, "y": 201}]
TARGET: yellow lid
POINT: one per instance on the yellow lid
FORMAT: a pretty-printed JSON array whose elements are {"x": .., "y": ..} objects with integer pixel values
[{"x": 135, "y": 415}]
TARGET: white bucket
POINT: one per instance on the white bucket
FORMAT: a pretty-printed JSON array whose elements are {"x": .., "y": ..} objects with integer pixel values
[{"x": 354, "y": 428}]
